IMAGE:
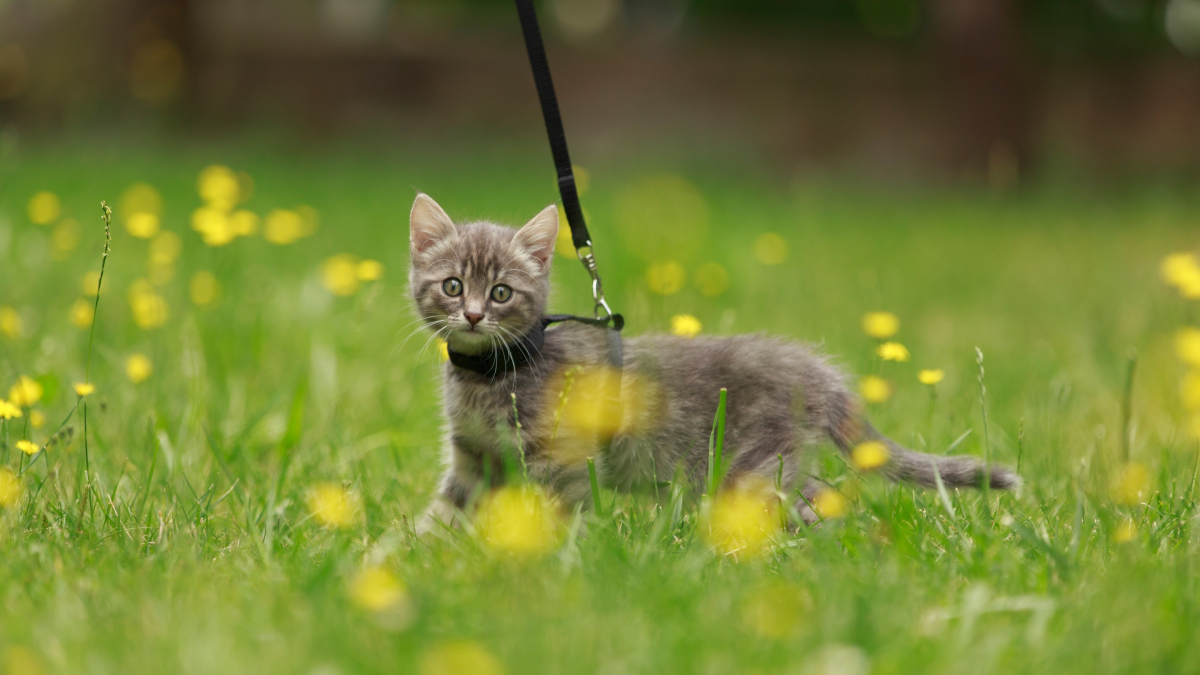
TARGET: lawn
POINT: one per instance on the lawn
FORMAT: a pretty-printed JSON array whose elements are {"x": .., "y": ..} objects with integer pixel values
[{"x": 241, "y": 495}]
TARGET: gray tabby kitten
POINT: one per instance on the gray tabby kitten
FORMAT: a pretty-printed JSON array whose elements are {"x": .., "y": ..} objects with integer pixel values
[{"x": 483, "y": 287}]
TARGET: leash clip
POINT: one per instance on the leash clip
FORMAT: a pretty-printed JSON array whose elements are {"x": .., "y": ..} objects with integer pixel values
[{"x": 589, "y": 263}]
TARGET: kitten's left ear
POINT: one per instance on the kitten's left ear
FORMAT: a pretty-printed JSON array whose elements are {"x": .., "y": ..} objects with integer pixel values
[{"x": 538, "y": 236}]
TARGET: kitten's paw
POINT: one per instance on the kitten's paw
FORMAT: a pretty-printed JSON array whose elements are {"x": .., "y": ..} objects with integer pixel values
[{"x": 439, "y": 517}]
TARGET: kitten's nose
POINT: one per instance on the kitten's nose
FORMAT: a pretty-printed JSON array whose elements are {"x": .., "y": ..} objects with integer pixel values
[{"x": 473, "y": 317}]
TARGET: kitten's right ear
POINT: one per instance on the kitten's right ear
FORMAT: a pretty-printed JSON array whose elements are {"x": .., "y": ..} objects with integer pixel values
[{"x": 428, "y": 224}]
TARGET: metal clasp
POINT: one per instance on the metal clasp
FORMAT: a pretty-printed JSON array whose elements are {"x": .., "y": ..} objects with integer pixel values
[{"x": 589, "y": 263}]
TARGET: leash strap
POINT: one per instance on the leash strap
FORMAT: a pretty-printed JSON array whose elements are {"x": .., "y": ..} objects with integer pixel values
[{"x": 558, "y": 148}]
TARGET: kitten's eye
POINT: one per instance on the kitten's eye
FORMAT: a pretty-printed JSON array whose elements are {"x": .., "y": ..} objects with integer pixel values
[
  {"x": 452, "y": 286},
  {"x": 501, "y": 293}
]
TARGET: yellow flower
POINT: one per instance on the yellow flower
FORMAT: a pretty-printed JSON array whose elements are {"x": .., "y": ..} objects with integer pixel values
[
  {"x": 893, "y": 351},
  {"x": 586, "y": 398},
  {"x": 149, "y": 308},
  {"x": 10, "y": 488},
  {"x": 665, "y": 277},
  {"x": 443, "y": 350},
  {"x": 84, "y": 388},
  {"x": 142, "y": 225},
  {"x": 138, "y": 368},
  {"x": 214, "y": 226},
  {"x": 743, "y": 518},
  {"x": 376, "y": 589},
  {"x": 369, "y": 270},
  {"x": 1126, "y": 532},
  {"x": 44, "y": 208},
  {"x": 332, "y": 506},
  {"x": 875, "y": 389},
  {"x": 519, "y": 520},
  {"x": 25, "y": 392},
  {"x": 89, "y": 284},
  {"x": 8, "y": 410},
  {"x": 1187, "y": 345},
  {"x": 37, "y": 419},
  {"x": 1180, "y": 270},
  {"x": 218, "y": 187},
  {"x": 869, "y": 455},
  {"x": 204, "y": 289},
  {"x": 140, "y": 198},
  {"x": 81, "y": 313},
  {"x": 10, "y": 322},
  {"x": 284, "y": 227},
  {"x": 1189, "y": 391},
  {"x": 244, "y": 223},
  {"x": 685, "y": 325},
  {"x": 931, "y": 377},
  {"x": 1131, "y": 485},
  {"x": 27, "y": 447},
  {"x": 770, "y": 249},
  {"x": 460, "y": 657},
  {"x": 712, "y": 279},
  {"x": 165, "y": 248},
  {"x": 64, "y": 238},
  {"x": 880, "y": 325},
  {"x": 830, "y": 503},
  {"x": 339, "y": 273}
]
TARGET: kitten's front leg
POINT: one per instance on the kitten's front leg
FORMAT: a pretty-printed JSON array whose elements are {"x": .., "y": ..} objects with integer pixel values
[{"x": 462, "y": 478}]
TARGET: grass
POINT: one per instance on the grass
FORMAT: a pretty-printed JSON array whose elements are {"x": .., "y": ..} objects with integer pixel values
[{"x": 190, "y": 545}]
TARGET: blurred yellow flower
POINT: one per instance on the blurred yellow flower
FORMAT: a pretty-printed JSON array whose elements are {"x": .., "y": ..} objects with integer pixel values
[
  {"x": 712, "y": 279},
  {"x": 148, "y": 307},
  {"x": 165, "y": 248},
  {"x": 10, "y": 488},
  {"x": 1131, "y": 485},
  {"x": 1189, "y": 391},
  {"x": 204, "y": 289},
  {"x": 742, "y": 518},
  {"x": 89, "y": 284},
  {"x": 893, "y": 351},
  {"x": 880, "y": 325},
  {"x": 142, "y": 225},
  {"x": 8, "y": 410},
  {"x": 64, "y": 238},
  {"x": 84, "y": 388},
  {"x": 332, "y": 506},
  {"x": 869, "y": 455},
  {"x": 283, "y": 227},
  {"x": 369, "y": 270},
  {"x": 1187, "y": 345},
  {"x": 931, "y": 376},
  {"x": 443, "y": 349},
  {"x": 44, "y": 208},
  {"x": 213, "y": 225},
  {"x": 81, "y": 313},
  {"x": 586, "y": 400},
  {"x": 27, "y": 447},
  {"x": 25, "y": 392},
  {"x": 519, "y": 520},
  {"x": 1125, "y": 532},
  {"x": 875, "y": 389},
  {"x": 37, "y": 419},
  {"x": 339, "y": 273},
  {"x": 685, "y": 325},
  {"x": 310, "y": 220},
  {"x": 218, "y": 187},
  {"x": 1182, "y": 271},
  {"x": 770, "y": 249},
  {"x": 376, "y": 589},
  {"x": 138, "y": 368},
  {"x": 140, "y": 198},
  {"x": 460, "y": 657},
  {"x": 563, "y": 244},
  {"x": 243, "y": 223},
  {"x": 830, "y": 503},
  {"x": 665, "y": 277},
  {"x": 10, "y": 322}
]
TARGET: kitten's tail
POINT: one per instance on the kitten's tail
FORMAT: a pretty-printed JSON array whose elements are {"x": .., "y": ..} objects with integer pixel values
[{"x": 918, "y": 468}]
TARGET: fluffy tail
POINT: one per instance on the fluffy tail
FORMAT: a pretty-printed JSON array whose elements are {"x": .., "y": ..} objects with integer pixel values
[{"x": 921, "y": 469}]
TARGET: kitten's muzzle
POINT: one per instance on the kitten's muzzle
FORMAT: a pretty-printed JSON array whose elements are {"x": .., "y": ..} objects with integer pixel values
[{"x": 473, "y": 317}]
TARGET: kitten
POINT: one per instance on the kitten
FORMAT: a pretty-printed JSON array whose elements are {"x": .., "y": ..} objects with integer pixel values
[{"x": 484, "y": 289}]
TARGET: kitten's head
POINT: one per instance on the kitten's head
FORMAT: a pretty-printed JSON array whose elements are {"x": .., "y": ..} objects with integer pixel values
[{"x": 479, "y": 284}]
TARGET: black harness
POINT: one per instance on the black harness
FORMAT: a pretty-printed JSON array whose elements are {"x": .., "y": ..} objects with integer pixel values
[{"x": 500, "y": 361}]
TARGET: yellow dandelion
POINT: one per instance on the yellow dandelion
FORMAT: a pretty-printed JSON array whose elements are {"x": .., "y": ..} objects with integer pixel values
[
  {"x": 81, "y": 313},
  {"x": 875, "y": 389},
  {"x": 64, "y": 238},
  {"x": 218, "y": 187},
  {"x": 138, "y": 368},
  {"x": 587, "y": 397},
  {"x": 9, "y": 410},
  {"x": 140, "y": 198},
  {"x": 770, "y": 249},
  {"x": 880, "y": 325},
  {"x": 376, "y": 589},
  {"x": 213, "y": 225},
  {"x": 743, "y": 518},
  {"x": 712, "y": 279},
  {"x": 27, "y": 447},
  {"x": 148, "y": 307},
  {"x": 1187, "y": 345},
  {"x": 244, "y": 223},
  {"x": 1125, "y": 532},
  {"x": 10, "y": 322},
  {"x": 37, "y": 419},
  {"x": 25, "y": 392},
  {"x": 893, "y": 351},
  {"x": 443, "y": 350},
  {"x": 869, "y": 455},
  {"x": 519, "y": 520},
  {"x": 1179, "y": 269},
  {"x": 369, "y": 270},
  {"x": 84, "y": 388},
  {"x": 1131, "y": 485},
  {"x": 332, "y": 506},
  {"x": 284, "y": 227},
  {"x": 831, "y": 504},
  {"x": 563, "y": 244},
  {"x": 665, "y": 277},
  {"x": 10, "y": 488},
  {"x": 460, "y": 657},
  {"x": 339, "y": 274},
  {"x": 204, "y": 289},
  {"x": 685, "y": 325},
  {"x": 142, "y": 225},
  {"x": 1189, "y": 391},
  {"x": 44, "y": 208},
  {"x": 931, "y": 377},
  {"x": 165, "y": 248}
]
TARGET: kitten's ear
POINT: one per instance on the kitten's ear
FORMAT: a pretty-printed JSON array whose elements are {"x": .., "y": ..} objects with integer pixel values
[
  {"x": 538, "y": 236},
  {"x": 428, "y": 224}
]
